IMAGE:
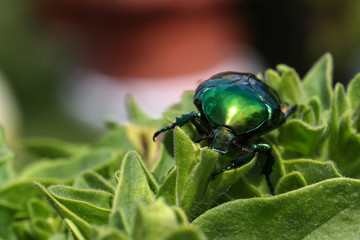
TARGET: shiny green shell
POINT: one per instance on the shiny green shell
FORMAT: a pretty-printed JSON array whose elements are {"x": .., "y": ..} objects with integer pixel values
[{"x": 240, "y": 102}]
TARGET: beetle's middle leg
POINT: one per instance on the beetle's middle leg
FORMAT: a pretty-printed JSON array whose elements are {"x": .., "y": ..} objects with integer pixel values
[
  {"x": 269, "y": 163},
  {"x": 243, "y": 160},
  {"x": 179, "y": 122}
]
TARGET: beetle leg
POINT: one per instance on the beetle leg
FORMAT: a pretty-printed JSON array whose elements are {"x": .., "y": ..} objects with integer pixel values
[
  {"x": 289, "y": 111},
  {"x": 179, "y": 122},
  {"x": 239, "y": 147},
  {"x": 243, "y": 160},
  {"x": 269, "y": 163},
  {"x": 203, "y": 138}
]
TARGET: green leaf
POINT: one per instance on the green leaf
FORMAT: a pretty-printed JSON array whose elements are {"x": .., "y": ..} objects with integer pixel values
[
  {"x": 342, "y": 148},
  {"x": 52, "y": 148},
  {"x": 7, "y": 218},
  {"x": 74, "y": 229},
  {"x": 283, "y": 68},
  {"x": 92, "y": 205},
  {"x": 116, "y": 139},
  {"x": 22, "y": 229},
  {"x": 155, "y": 221},
  {"x": 318, "y": 81},
  {"x": 328, "y": 208},
  {"x": 197, "y": 184},
  {"x": 109, "y": 233},
  {"x": 308, "y": 116},
  {"x": 340, "y": 104},
  {"x": 353, "y": 92},
  {"x": 118, "y": 221},
  {"x": 167, "y": 190},
  {"x": 289, "y": 182},
  {"x": 356, "y": 119},
  {"x": 222, "y": 182},
  {"x": 291, "y": 89},
  {"x": 312, "y": 171},
  {"x": 37, "y": 208},
  {"x": 18, "y": 193},
  {"x": 273, "y": 79},
  {"x": 133, "y": 187},
  {"x": 315, "y": 105},
  {"x": 6, "y": 161},
  {"x": 43, "y": 221},
  {"x": 187, "y": 155},
  {"x": 164, "y": 164},
  {"x": 180, "y": 215},
  {"x": 300, "y": 137},
  {"x": 188, "y": 233},
  {"x": 141, "y": 138},
  {"x": 93, "y": 180},
  {"x": 82, "y": 226},
  {"x": 68, "y": 169}
]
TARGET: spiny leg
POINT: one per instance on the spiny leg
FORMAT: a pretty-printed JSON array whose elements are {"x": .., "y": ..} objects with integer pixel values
[
  {"x": 269, "y": 163},
  {"x": 179, "y": 122},
  {"x": 243, "y": 160},
  {"x": 290, "y": 111},
  {"x": 203, "y": 138}
]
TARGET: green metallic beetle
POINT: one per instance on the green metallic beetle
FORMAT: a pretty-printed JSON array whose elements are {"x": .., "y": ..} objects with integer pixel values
[{"x": 234, "y": 110}]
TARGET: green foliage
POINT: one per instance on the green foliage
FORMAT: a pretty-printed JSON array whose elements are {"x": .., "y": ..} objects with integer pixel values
[{"x": 125, "y": 186}]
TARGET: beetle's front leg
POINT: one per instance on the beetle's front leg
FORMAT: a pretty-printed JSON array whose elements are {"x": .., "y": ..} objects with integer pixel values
[
  {"x": 179, "y": 122},
  {"x": 269, "y": 163}
]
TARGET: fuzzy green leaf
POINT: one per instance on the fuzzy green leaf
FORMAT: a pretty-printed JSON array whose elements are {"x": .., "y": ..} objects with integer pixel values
[
  {"x": 356, "y": 119},
  {"x": 68, "y": 169},
  {"x": 74, "y": 229},
  {"x": 312, "y": 171},
  {"x": 6, "y": 161},
  {"x": 133, "y": 187},
  {"x": 291, "y": 89},
  {"x": 116, "y": 139},
  {"x": 141, "y": 138},
  {"x": 318, "y": 81},
  {"x": 315, "y": 105},
  {"x": 273, "y": 79},
  {"x": 187, "y": 155},
  {"x": 92, "y": 205},
  {"x": 353, "y": 91},
  {"x": 328, "y": 208},
  {"x": 93, "y": 180},
  {"x": 340, "y": 104},
  {"x": 163, "y": 165},
  {"x": 197, "y": 185},
  {"x": 167, "y": 190},
  {"x": 188, "y": 233},
  {"x": 52, "y": 148},
  {"x": 342, "y": 149},
  {"x": 106, "y": 233},
  {"x": 300, "y": 137},
  {"x": 17, "y": 194},
  {"x": 283, "y": 68},
  {"x": 223, "y": 181},
  {"x": 81, "y": 225},
  {"x": 289, "y": 182},
  {"x": 154, "y": 222}
]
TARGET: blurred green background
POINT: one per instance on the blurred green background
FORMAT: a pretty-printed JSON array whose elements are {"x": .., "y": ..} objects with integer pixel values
[{"x": 34, "y": 60}]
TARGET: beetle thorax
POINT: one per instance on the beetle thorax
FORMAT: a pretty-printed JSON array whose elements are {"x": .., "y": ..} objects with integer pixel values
[{"x": 222, "y": 137}]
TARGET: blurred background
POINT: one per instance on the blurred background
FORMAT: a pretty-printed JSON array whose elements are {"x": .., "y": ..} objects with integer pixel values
[{"x": 68, "y": 65}]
